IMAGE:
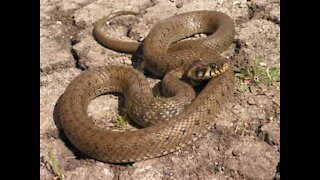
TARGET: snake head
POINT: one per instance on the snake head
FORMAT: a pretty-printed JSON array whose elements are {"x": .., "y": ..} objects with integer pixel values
[{"x": 202, "y": 70}]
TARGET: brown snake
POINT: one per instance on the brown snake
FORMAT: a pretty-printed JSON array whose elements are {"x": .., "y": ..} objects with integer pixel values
[{"x": 163, "y": 55}]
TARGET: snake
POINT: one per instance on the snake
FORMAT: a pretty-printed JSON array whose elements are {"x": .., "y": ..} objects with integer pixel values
[{"x": 167, "y": 55}]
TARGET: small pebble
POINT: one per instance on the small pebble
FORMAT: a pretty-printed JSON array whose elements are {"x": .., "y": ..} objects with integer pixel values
[
  {"x": 179, "y": 5},
  {"x": 107, "y": 171},
  {"x": 236, "y": 152},
  {"x": 168, "y": 172},
  {"x": 251, "y": 101},
  {"x": 59, "y": 22},
  {"x": 271, "y": 93},
  {"x": 263, "y": 64}
]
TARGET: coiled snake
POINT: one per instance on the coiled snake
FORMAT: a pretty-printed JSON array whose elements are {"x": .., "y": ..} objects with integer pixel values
[{"x": 180, "y": 123}]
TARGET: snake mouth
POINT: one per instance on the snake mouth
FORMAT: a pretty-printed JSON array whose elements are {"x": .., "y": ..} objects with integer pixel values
[{"x": 200, "y": 72}]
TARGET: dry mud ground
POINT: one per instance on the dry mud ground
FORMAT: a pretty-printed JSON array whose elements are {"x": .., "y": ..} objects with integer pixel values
[{"x": 243, "y": 144}]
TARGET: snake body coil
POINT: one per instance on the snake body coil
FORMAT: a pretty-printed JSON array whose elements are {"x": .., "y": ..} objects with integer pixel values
[{"x": 162, "y": 55}]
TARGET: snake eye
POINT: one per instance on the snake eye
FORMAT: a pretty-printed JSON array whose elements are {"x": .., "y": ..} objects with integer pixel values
[{"x": 213, "y": 66}]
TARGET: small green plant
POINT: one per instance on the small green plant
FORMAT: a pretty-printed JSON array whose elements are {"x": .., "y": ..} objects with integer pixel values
[
  {"x": 258, "y": 74},
  {"x": 158, "y": 95},
  {"x": 244, "y": 87},
  {"x": 54, "y": 165},
  {"x": 121, "y": 121},
  {"x": 274, "y": 76}
]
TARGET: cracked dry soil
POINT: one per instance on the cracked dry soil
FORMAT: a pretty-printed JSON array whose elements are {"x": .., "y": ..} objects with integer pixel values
[{"x": 243, "y": 144}]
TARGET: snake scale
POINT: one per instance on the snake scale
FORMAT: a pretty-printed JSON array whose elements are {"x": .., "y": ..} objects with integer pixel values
[{"x": 164, "y": 56}]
